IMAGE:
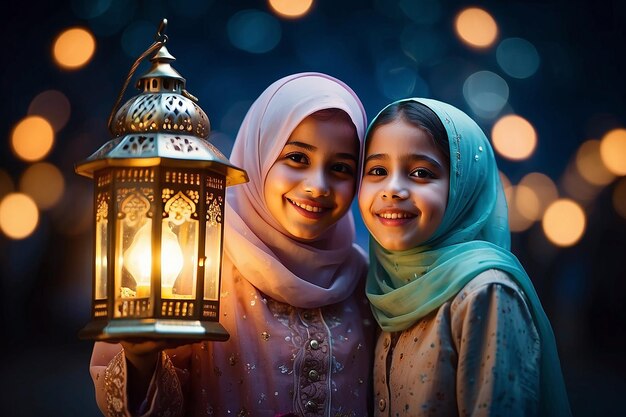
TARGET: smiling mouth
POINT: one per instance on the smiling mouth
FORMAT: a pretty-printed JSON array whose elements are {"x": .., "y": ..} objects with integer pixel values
[
  {"x": 308, "y": 208},
  {"x": 394, "y": 216}
]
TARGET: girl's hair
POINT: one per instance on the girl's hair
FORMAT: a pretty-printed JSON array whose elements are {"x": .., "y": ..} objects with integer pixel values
[
  {"x": 327, "y": 114},
  {"x": 418, "y": 115}
]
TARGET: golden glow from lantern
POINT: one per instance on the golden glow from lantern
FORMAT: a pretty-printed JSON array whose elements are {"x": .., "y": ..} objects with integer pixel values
[
  {"x": 564, "y": 222},
  {"x": 590, "y": 166},
  {"x": 619, "y": 197},
  {"x": 74, "y": 48},
  {"x": 18, "y": 215},
  {"x": 544, "y": 192},
  {"x": 138, "y": 258},
  {"x": 44, "y": 183},
  {"x": 476, "y": 27},
  {"x": 514, "y": 137},
  {"x": 291, "y": 8},
  {"x": 32, "y": 138},
  {"x": 613, "y": 151}
]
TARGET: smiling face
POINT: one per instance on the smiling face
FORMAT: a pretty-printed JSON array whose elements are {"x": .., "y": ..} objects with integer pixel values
[
  {"x": 312, "y": 183},
  {"x": 404, "y": 191}
]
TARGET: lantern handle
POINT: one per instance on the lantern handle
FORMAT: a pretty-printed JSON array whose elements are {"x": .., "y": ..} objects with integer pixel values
[{"x": 160, "y": 39}]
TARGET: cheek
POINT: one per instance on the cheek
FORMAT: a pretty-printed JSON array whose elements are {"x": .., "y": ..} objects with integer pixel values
[{"x": 366, "y": 196}]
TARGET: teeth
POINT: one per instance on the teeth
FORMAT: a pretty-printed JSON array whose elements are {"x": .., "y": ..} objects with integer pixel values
[
  {"x": 307, "y": 207},
  {"x": 394, "y": 216}
]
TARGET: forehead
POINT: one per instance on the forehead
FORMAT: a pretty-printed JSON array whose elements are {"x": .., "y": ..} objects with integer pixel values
[
  {"x": 326, "y": 134},
  {"x": 400, "y": 137}
]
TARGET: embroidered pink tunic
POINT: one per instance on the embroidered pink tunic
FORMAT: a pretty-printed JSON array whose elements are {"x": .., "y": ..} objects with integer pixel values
[{"x": 311, "y": 362}]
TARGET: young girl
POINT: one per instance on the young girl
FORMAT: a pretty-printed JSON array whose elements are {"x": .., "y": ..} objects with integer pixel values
[
  {"x": 464, "y": 333},
  {"x": 292, "y": 280}
]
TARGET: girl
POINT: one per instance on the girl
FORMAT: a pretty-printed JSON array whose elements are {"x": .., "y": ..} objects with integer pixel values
[
  {"x": 300, "y": 338},
  {"x": 463, "y": 330}
]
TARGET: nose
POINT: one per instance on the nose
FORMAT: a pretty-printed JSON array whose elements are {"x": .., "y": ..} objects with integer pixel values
[
  {"x": 395, "y": 189},
  {"x": 317, "y": 184}
]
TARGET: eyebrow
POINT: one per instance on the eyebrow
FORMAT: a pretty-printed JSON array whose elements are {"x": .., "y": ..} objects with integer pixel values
[
  {"x": 312, "y": 148},
  {"x": 411, "y": 158},
  {"x": 302, "y": 145}
]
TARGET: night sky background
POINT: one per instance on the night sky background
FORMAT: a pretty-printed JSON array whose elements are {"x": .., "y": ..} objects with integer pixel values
[{"x": 577, "y": 93}]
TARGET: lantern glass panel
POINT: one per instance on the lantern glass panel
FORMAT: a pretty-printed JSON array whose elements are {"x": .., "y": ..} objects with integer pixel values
[
  {"x": 102, "y": 237},
  {"x": 213, "y": 242},
  {"x": 133, "y": 270},
  {"x": 179, "y": 249},
  {"x": 212, "y": 262}
]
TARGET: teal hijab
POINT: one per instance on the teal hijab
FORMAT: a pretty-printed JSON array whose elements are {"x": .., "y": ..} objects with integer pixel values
[{"x": 405, "y": 286}]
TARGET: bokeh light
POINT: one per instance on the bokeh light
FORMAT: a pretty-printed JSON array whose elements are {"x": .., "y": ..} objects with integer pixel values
[
  {"x": 514, "y": 137},
  {"x": 118, "y": 14},
  {"x": 576, "y": 187},
  {"x": 424, "y": 46},
  {"x": 590, "y": 165},
  {"x": 18, "y": 215},
  {"x": 134, "y": 37},
  {"x": 291, "y": 8},
  {"x": 74, "y": 48},
  {"x": 397, "y": 79},
  {"x": 53, "y": 106},
  {"x": 476, "y": 27},
  {"x": 254, "y": 31},
  {"x": 423, "y": 12},
  {"x": 486, "y": 93},
  {"x": 619, "y": 197},
  {"x": 32, "y": 138},
  {"x": 88, "y": 9},
  {"x": 564, "y": 222},
  {"x": 6, "y": 183},
  {"x": 192, "y": 9},
  {"x": 44, "y": 183},
  {"x": 613, "y": 151},
  {"x": 527, "y": 202},
  {"x": 544, "y": 191},
  {"x": 517, "y": 57},
  {"x": 515, "y": 197}
]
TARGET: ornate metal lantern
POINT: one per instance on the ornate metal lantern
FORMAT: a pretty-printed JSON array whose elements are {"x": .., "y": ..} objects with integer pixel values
[{"x": 159, "y": 212}]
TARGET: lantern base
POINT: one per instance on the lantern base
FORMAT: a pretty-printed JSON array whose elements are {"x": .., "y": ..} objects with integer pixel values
[{"x": 125, "y": 329}]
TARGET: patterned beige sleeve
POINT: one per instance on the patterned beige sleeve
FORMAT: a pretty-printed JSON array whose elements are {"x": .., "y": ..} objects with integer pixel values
[
  {"x": 499, "y": 349},
  {"x": 164, "y": 397}
]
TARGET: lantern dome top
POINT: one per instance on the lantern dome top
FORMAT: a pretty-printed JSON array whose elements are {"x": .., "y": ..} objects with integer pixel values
[{"x": 163, "y": 125}]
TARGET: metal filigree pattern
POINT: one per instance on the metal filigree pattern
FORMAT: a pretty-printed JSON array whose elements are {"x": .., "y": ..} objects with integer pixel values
[
  {"x": 142, "y": 113},
  {"x": 214, "y": 209},
  {"x": 102, "y": 211},
  {"x": 164, "y": 112},
  {"x": 179, "y": 208},
  {"x": 138, "y": 145},
  {"x": 181, "y": 144},
  {"x": 134, "y": 209}
]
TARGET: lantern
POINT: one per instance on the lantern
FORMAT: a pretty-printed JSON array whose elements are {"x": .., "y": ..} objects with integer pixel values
[{"x": 158, "y": 213}]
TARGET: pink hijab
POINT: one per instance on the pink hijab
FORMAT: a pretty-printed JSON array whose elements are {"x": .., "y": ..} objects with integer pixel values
[{"x": 300, "y": 274}]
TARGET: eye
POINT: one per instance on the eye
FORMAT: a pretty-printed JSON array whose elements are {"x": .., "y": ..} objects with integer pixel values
[
  {"x": 343, "y": 168},
  {"x": 377, "y": 171},
  {"x": 297, "y": 157},
  {"x": 422, "y": 173}
]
